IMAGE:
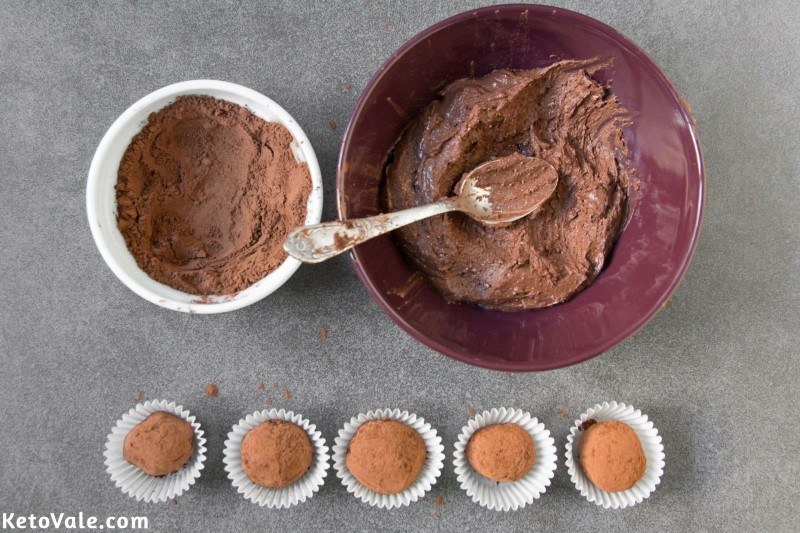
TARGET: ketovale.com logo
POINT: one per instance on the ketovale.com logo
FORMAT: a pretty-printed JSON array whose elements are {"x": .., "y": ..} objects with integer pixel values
[{"x": 79, "y": 521}]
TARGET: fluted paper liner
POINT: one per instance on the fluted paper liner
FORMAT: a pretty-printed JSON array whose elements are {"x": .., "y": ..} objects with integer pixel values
[
  {"x": 431, "y": 470},
  {"x": 651, "y": 444},
  {"x": 284, "y": 497},
  {"x": 511, "y": 495},
  {"x": 133, "y": 480}
]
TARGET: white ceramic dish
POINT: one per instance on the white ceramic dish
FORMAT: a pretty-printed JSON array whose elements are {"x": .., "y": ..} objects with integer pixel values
[{"x": 101, "y": 203}]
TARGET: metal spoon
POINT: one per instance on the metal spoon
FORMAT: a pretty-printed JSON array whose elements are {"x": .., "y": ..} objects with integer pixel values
[{"x": 496, "y": 192}]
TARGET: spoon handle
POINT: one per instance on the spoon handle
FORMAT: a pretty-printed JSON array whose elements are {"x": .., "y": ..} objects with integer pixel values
[{"x": 313, "y": 244}]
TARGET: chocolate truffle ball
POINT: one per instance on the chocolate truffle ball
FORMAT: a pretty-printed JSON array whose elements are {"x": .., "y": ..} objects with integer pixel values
[
  {"x": 611, "y": 456},
  {"x": 386, "y": 456},
  {"x": 276, "y": 453},
  {"x": 501, "y": 452},
  {"x": 159, "y": 445}
]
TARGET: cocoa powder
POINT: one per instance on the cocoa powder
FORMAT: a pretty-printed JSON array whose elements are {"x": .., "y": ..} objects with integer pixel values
[{"x": 207, "y": 193}]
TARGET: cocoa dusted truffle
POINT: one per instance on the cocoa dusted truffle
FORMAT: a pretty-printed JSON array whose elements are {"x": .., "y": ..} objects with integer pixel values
[
  {"x": 276, "y": 453},
  {"x": 611, "y": 456},
  {"x": 160, "y": 444},
  {"x": 386, "y": 456},
  {"x": 501, "y": 452}
]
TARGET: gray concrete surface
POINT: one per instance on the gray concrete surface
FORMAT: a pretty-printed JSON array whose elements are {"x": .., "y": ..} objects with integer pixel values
[{"x": 717, "y": 370}]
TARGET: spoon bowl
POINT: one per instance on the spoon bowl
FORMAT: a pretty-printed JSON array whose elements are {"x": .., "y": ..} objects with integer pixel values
[
  {"x": 496, "y": 192},
  {"x": 506, "y": 189}
]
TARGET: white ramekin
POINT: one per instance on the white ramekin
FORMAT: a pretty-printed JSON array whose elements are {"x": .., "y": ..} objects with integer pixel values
[{"x": 101, "y": 202}]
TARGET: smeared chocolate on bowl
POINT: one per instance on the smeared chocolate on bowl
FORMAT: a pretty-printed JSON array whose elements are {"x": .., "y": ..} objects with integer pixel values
[{"x": 559, "y": 114}]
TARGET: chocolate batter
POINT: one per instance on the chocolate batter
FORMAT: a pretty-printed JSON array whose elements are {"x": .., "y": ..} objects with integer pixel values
[
  {"x": 558, "y": 114},
  {"x": 207, "y": 193}
]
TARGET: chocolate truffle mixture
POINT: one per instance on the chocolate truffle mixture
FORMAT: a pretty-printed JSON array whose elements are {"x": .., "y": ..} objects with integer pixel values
[
  {"x": 559, "y": 114},
  {"x": 207, "y": 193}
]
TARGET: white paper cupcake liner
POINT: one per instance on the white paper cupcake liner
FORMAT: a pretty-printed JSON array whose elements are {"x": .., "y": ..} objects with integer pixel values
[
  {"x": 651, "y": 444},
  {"x": 133, "y": 480},
  {"x": 507, "y": 496},
  {"x": 284, "y": 497},
  {"x": 427, "y": 477}
]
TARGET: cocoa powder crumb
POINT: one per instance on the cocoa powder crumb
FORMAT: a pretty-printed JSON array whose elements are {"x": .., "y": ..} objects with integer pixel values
[
  {"x": 332, "y": 125},
  {"x": 261, "y": 386},
  {"x": 287, "y": 394},
  {"x": 212, "y": 390},
  {"x": 324, "y": 333},
  {"x": 139, "y": 397},
  {"x": 439, "y": 500},
  {"x": 269, "y": 402},
  {"x": 470, "y": 409},
  {"x": 174, "y": 501}
]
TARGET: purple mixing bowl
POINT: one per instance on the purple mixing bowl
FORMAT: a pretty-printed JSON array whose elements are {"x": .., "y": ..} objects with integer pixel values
[{"x": 650, "y": 257}]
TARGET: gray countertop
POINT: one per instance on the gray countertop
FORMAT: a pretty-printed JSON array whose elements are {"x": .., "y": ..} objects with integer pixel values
[{"x": 717, "y": 370}]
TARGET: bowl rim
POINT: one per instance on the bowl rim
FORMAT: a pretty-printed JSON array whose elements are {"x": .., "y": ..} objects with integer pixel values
[
  {"x": 461, "y": 354},
  {"x": 268, "y": 284}
]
